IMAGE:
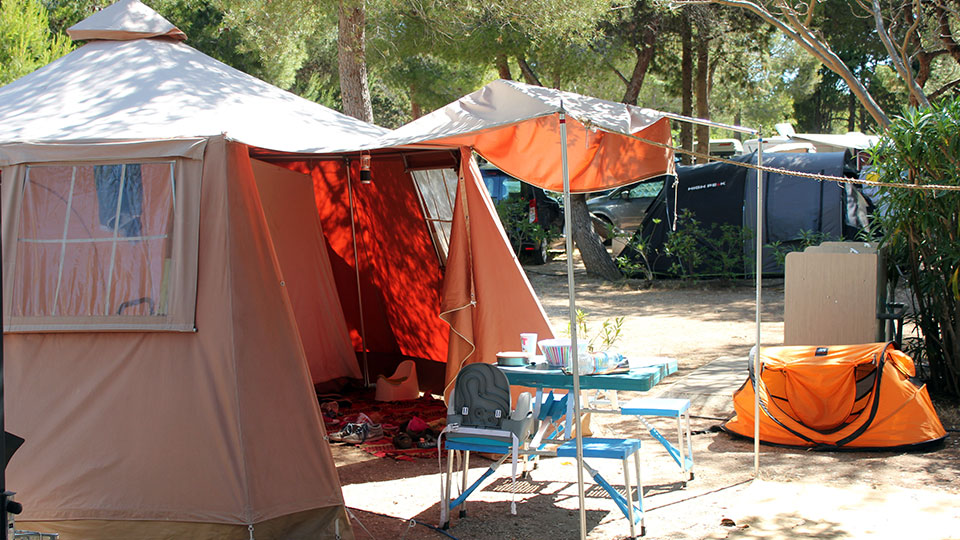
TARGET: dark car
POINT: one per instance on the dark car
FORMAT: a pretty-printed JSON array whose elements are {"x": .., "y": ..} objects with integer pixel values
[
  {"x": 622, "y": 210},
  {"x": 526, "y": 205}
]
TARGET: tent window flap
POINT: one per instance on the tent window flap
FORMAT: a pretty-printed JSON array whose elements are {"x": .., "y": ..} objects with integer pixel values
[
  {"x": 437, "y": 189},
  {"x": 97, "y": 248}
]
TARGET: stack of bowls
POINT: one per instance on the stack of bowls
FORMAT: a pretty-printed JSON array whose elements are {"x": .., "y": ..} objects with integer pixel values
[{"x": 557, "y": 352}]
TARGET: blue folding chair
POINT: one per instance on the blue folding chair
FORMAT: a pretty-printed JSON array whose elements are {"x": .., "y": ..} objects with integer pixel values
[{"x": 480, "y": 419}]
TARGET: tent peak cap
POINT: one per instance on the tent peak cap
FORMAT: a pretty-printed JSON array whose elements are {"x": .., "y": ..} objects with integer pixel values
[{"x": 123, "y": 21}]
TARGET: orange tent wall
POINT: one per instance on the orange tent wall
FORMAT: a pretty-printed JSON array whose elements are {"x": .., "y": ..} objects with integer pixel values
[{"x": 400, "y": 273}]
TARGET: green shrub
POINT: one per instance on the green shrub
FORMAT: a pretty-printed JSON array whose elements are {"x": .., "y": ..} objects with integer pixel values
[
  {"x": 807, "y": 238},
  {"x": 716, "y": 251},
  {"x": 921, "y": 228},
  {"x": 515, "y": 216}
]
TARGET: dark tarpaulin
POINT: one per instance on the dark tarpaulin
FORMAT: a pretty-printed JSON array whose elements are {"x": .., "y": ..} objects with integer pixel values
[{"x": 722, "y": 193}]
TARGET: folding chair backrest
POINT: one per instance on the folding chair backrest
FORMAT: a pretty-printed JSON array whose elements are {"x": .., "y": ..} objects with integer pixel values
[{"x": 481, "y": 396}]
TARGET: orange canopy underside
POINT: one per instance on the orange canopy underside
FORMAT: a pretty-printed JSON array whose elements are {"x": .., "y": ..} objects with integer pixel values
[{"x": 597, "y": 160}]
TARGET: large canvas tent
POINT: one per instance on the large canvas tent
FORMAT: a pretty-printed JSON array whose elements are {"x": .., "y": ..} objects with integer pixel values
[
  {"x": 171, "y": 296},
  {"x": 726, "y": 194}
]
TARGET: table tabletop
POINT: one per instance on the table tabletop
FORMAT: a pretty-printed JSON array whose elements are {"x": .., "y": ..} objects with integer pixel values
[{"x": 644, "y": 374}]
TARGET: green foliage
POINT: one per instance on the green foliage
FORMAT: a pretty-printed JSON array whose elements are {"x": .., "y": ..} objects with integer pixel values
[
  {"x": 26, "y": 42},
  {"x": 715, "y": 251},
  {"x": 514, "y": 215},
  {"x": 921, "y": 228},
  {"x": 603, "y": 339},
  {"x": 279, "y": 32},
  {"x": 780, "y": 249},
  {"x": 639, "y": 244}
]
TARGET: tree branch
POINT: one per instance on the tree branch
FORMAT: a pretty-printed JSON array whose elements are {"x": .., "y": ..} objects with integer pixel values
[
  {"x": 902, "y": 69},
  {"x": 809, "y": 41},
  {"x": 943, "y": 89}
]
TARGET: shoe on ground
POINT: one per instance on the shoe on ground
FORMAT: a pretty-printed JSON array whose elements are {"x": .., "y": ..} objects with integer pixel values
[
  {"x": 363, "y": 432},
  {"x": 345, "y": 431}
]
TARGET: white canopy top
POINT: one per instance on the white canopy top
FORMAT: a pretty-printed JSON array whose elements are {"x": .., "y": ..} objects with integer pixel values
[
  {"x": 127, "y": 19},
  {"x": 505, "y": 102},
  {"x": 160, "y": 88}
]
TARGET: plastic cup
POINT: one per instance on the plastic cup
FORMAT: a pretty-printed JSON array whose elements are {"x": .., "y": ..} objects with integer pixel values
[{"x": 528, "y": 343}]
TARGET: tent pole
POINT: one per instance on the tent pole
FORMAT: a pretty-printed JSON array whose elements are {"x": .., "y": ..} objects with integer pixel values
[
  {"x": 759, "y": 263},
  {"x": 3, "y": 421},
  {"x": 356, "y": 266},
  {"x": 575, "y": 362}
]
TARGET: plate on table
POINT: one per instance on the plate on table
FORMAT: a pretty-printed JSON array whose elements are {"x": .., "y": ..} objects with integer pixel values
[{"x": 513, "y": 359}]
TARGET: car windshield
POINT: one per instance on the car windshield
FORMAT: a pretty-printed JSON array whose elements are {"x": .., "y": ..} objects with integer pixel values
[
  {"x": 501, "y": 188},
  {"x": 646, "y": 189}
]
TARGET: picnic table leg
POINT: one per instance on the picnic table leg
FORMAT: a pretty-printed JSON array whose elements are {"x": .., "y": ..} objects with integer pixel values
[
  {"x": 626, "y": 485},
  {"x": 445, "y": 502},
  {"x": 466, "y": 468}
]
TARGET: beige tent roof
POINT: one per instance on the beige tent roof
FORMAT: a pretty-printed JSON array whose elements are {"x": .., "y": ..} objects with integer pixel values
[{"x": 123, "y": 87}]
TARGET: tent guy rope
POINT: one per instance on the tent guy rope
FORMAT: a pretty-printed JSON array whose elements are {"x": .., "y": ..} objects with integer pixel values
[{"x": 811, "y": 176}]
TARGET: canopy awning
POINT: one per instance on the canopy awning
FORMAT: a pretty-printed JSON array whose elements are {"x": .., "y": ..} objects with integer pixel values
[{"x": 516, "y": 127}]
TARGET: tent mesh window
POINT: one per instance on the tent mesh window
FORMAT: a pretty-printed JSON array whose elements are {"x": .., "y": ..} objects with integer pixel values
[
  {"x": 437, "y": 190},
  {"x": 95, "y": 240}
]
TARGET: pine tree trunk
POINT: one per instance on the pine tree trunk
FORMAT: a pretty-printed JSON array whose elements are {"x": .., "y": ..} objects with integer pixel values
[
  {"x": 686, "y": 89},
  {"x": 529, "y": 76},
  {"x": 852, "y": 113},
  {"x": 503, "y": 67},
  {"x": 644, "y": 51},
  {"x": 703, "y": 92},
  {"x": 354, "y": 91},
  {"x": 594, "y": 256}
]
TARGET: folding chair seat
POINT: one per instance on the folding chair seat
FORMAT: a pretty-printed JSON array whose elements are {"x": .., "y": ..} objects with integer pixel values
[
  {"x": 677, "y": 408},
  {"x": 620, "y": 449},
  {"x": 480, "y": 419}
]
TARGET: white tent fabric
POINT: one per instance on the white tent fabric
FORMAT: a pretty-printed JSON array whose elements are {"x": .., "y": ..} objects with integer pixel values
[
  {"x": 159, "y": 88},
  {"x": 127, "y": 19},
  {"x": 509, "y": 102}
]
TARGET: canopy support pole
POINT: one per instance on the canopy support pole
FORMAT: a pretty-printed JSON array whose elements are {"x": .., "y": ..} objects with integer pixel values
[
  {"x": 759, "y": 270},
  {"x": 575, "y": 361},
  {"x": 3, "y": 421},
  {"x": 356, "y": 267}
]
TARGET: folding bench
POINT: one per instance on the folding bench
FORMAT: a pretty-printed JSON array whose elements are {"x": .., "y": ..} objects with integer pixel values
[
  {"x": 677, "y": 408},
  {"x": 620, "y": 449}
]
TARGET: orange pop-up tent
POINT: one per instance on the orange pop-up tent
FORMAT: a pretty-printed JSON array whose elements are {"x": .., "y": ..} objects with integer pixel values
[{"x": 841, "y": 396}]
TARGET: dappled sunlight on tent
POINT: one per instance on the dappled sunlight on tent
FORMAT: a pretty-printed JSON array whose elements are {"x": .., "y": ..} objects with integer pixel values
[{"x": 400, "y": 273}]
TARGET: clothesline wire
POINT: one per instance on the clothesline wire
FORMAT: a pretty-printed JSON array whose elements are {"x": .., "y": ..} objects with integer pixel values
[{"x": 812, "y": 176}]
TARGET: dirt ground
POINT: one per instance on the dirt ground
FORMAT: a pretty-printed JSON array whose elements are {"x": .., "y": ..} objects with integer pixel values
[{"x": 800, "y": 494}]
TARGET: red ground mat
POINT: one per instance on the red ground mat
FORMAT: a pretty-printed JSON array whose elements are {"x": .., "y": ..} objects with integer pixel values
[{"x": 391, "y": 415}]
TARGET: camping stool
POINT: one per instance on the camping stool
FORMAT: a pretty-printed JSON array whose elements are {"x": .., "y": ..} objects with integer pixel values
[
  {"x": 673, "y": 407},
  {"x": 620, "y": 449}
]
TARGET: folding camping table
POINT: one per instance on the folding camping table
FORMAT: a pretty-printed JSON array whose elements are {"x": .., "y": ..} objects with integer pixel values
[{"x": 643, "y": 376}]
